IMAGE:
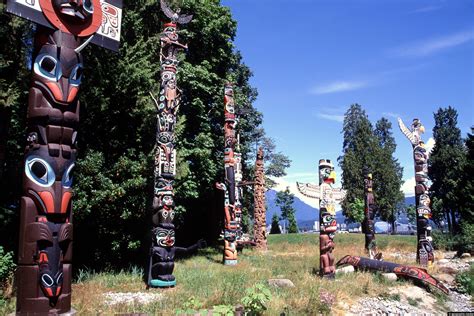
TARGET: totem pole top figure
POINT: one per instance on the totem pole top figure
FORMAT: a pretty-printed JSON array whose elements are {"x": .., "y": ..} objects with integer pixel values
[
  {"x": 176, "y": 17},
  {"x": 414, "y": 136},
  {"x": 97, "y": 20}
]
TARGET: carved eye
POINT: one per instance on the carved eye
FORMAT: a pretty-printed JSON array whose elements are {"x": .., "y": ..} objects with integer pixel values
[
  {"x": 39, "y": 171},
  {"x": 76, "y": 75},
  {"x": 47, "y": 280},
  {"x": 67, "y": 177},
  {"x": 47, "y": 67},
  {"x": 88, "y": 6}
]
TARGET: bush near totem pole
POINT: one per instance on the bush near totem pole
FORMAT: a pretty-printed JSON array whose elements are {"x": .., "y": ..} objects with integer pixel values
[{"x": 114, "y": 173}]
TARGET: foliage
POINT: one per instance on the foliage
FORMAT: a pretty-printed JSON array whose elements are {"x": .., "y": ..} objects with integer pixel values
[
  {"x": 292, "y": 225},
  {"x": 355, "y": 212},
  {"x": 285, "y": 200},
  {"x": 114, "y": 172},
  {"x": 371, "y": 148},
  {"x": 223, "y": 310},
  {"x": 275, "y": 162},
  {"x": 446, "y": 164},
  {"x": 255, "y": 299},
  {"x": 7, "y": 265},
  {"x": 465, "y": 281},
  {"x": 443, "y": 241},
  {"x": 466, "y": 191},
  {"x": 275, "y": 229}
]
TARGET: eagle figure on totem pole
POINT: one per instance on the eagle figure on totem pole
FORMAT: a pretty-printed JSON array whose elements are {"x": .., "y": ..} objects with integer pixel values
[{"x": 175, "y": 16}]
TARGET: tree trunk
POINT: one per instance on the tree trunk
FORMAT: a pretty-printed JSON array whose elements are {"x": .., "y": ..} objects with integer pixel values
[
  {"x": 448, "y": 219},
  {"x": 454, "y": 222}
]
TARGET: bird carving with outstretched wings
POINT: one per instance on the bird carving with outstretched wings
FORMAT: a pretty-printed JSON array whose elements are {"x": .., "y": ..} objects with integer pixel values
[
  {"x": 309, "y": 190},
  {"x": 412, "y": 137},
  {"x": 175, "y": 16}
]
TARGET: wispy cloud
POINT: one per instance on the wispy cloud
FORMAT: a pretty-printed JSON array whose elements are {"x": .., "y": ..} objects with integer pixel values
[
  {"x": 331, "y": 117},
  {"x": 391, "y": 114},
  {"x": 426, "y": 9},
  {"x": 339, "y": 86},
  {"x": 432, "y": 46}
]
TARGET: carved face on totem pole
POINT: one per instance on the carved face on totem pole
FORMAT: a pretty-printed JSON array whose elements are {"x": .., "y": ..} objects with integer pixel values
[
  {"x": 326, "y": 171},
  {"x": 80, "y": 10}
]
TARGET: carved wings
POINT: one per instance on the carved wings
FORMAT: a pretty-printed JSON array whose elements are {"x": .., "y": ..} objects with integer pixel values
[
  {"x": 309, "y": 190},
  {"x": 339, "y": 194},
  {"x": 174, "y": 16},
  {"x": 409, "y": 134}
]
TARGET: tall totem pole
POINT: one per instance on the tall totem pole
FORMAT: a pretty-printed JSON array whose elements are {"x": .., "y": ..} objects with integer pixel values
[
  {"x": 163, "y": 249},
  {"x": 424, "y": 252},
  {"x": 327, "y": 196},
  {"x": 369, "y": 215},
  {"x": 46, "y": 232},
  {"x": 260, "y": 221},
  {"x": 231, "y": 212}
]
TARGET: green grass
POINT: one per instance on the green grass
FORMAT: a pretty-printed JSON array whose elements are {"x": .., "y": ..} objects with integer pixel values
[{"x": 203, "y": 282}]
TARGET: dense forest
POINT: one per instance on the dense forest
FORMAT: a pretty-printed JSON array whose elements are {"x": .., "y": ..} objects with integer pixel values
[{"x": 114, "y": 172}]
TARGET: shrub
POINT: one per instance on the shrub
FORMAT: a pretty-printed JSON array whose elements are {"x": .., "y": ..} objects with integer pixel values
[
  {"x": 255, "y": 299},
  {"x": 465, "y": 281},
  {"x": 7, "y": 266}
]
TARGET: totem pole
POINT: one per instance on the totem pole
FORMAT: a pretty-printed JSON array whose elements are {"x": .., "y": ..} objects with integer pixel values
[
  {"x": 424, "y": 252},
  {"x": 163, "y": 250},
  {"x": 231, "y": 218},
  {"x": 327, "y": 196},
  {"x": 238, "y": 187},
  {"x": 260, "y": 221},
  {"x": 400, "y": 270},
  {"x": 46, "y": 232},
  {"x": 369, "y": 214}
]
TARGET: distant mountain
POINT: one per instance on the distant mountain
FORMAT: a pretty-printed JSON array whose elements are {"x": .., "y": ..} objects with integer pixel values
[{"x": 306, "y": 215}]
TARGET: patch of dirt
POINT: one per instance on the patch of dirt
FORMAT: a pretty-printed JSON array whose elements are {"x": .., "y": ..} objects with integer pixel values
[{"x": 114, "y": 298}]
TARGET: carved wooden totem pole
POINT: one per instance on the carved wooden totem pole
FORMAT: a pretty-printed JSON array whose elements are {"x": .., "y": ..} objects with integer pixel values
[
  {"x": 260, "y": 221},
  {"x": 163, "y": 249},
  {"x": 369, "y": 215},
  {"x": 424, "y": 253},
  {"x": 46, "y": 232},
  {"x": 231, "y": 216},
  {"x": 327, "y": 196}
]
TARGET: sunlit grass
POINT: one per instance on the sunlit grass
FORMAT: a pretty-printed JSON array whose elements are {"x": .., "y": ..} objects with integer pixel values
[{"x": 204, "y": 278}]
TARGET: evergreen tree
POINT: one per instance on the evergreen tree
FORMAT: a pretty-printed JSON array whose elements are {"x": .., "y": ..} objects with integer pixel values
[
  {"x": 466, "y": 192},
  {"x": 387, "y": 174},
  {"x": 114, "y": 171},
  {"x": 359, "y": 145},
  {"x": 275, "y": 229},
  {"x": 292, "y": 225},
  {"x": 446, "y": 165},
  {"x": 285, "y": 199},
  {"x": 355, "y": 210}
]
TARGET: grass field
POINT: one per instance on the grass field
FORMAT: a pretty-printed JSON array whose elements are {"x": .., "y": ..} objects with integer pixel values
[{"x": 203, "y": 282}]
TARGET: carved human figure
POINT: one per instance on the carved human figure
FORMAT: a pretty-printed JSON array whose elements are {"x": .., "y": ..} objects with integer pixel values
[
  {"x": 163, "y": 249},
  {"x": 46, "y": 232},
  {"x": 327, "y": 196},
  {"x": 424, "y": 253},
  {"x": 369, "y": 215},
  {"x": 259, "y": 203}
]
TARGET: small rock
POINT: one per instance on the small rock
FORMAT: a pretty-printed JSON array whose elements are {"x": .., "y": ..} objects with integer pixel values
[
  {"x": 448, "y": 270},
  {"x": 346, "y": 269},
  {"x": 390, "y": 276},
  {"x": 443, "y": 261},
  {"x": 446, "y": 278},
  {"x": 281, "y": 283},
  {"x": 465, "y": 255}
]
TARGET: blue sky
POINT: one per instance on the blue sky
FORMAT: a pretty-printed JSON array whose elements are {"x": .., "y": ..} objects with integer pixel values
[{"x": 311, "y": 59}]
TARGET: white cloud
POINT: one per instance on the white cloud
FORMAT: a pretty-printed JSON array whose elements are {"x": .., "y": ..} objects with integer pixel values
[
  {"x": 331, "y": 117},
  {"x": 428, "y": 47},
  {"x": 408, "y": 188},
  {"x": 339, "y": 86}
]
